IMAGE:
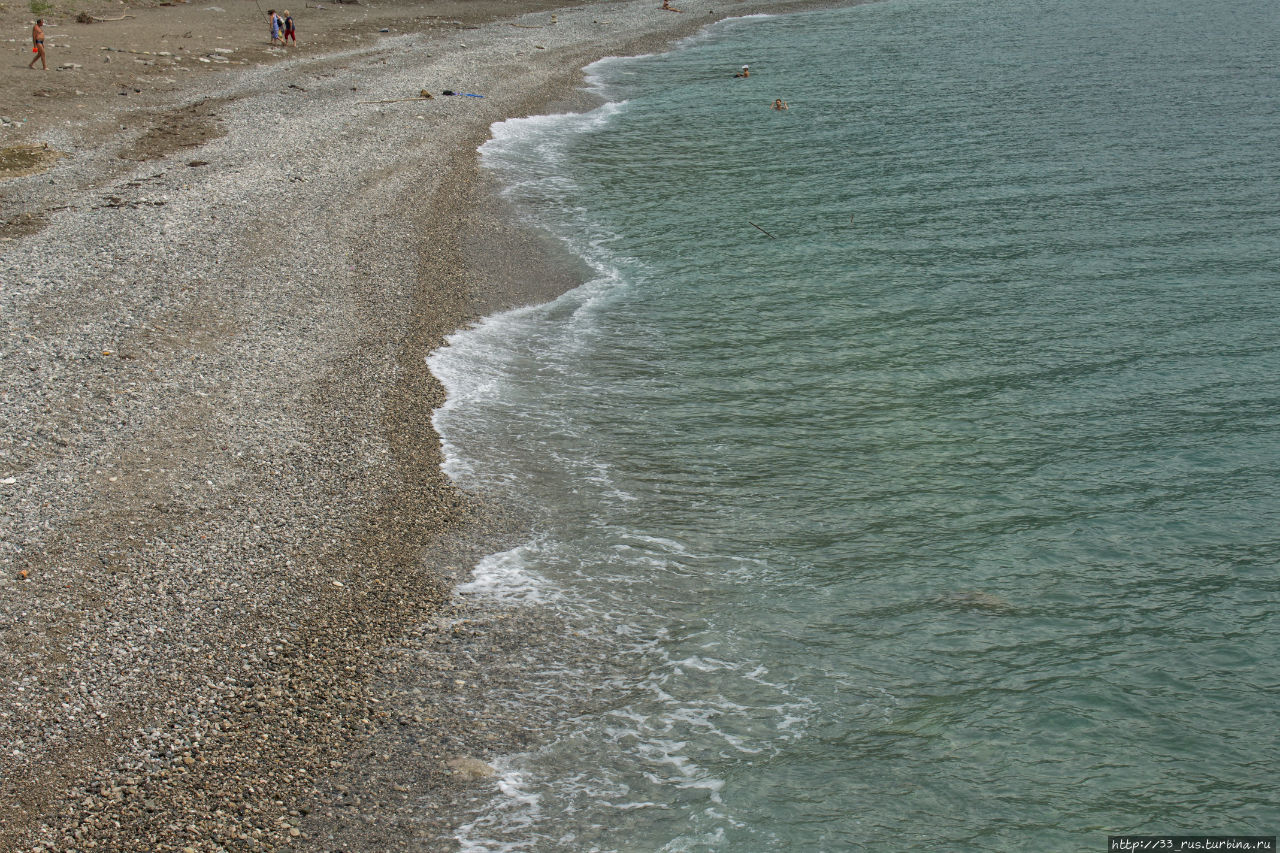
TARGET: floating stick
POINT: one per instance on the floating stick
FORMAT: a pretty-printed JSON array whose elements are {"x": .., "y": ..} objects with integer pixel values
[{"x": 761, "y": 230}]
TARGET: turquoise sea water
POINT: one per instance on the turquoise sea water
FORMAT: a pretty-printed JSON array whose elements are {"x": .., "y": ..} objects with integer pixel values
[{"x": 948, "y": 516}]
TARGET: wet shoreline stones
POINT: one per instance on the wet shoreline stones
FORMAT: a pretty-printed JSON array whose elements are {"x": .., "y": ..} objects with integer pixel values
[{"x": 222, "y": 500}]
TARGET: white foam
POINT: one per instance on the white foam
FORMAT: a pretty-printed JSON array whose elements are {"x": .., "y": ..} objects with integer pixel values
[
  {"x": 518, "y": 809},
  {"x": 538, "y": 142},
  {"x": 506, "y": 577}
]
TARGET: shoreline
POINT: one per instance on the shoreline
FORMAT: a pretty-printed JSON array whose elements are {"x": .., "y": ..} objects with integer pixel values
[{"x": 223, "y": 500}]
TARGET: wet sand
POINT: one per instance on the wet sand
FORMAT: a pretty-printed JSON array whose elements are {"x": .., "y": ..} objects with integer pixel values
[{"x": 227, "y": 549}]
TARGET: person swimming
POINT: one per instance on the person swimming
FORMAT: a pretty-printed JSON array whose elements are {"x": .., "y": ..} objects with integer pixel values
[
  {"x": 745, "y": 72},
  {"x": 779, "y": 104}
]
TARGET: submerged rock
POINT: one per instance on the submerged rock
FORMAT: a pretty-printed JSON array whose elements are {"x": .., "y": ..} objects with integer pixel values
[
  {"x": 977, "y": 600},
  {"x": 467, "y": 769}
]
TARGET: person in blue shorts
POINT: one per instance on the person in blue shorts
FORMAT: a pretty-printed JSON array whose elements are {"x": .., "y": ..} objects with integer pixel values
[{"x": 37, "y": 45}]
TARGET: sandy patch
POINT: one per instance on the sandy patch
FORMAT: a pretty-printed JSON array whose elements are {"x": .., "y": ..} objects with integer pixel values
[{"x": 19, "y": 160}]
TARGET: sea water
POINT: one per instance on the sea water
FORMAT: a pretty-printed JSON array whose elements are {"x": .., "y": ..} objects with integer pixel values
[{"x": 914, "y": 453}]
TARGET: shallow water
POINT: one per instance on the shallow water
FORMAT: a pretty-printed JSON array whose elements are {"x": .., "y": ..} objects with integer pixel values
[{"x": 943, "y": 516}]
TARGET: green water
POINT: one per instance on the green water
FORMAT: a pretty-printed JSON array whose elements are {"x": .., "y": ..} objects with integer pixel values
[{"x": 943, "y": 518}]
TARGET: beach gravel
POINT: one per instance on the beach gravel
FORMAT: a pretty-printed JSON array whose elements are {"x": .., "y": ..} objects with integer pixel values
[{"x": 222, "y": 500}]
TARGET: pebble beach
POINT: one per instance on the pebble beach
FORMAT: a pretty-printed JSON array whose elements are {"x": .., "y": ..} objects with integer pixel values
[{"x": 227, "y": 550}]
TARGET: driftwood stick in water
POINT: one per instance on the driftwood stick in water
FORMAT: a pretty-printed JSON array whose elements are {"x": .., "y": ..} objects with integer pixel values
[{"x": 761, "y": 230}]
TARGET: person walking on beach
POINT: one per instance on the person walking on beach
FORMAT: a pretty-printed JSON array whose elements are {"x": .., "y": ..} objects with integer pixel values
[
  {"x": 274, "y": 20},
  {"x": 666, "y": 4},
  {"x": 289, "y": 31},
  {"x": 37, "y": 45}
]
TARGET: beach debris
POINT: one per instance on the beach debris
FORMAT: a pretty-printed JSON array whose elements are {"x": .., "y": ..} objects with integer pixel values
[
  {"x": 86, "y": 18},
  {"x": 8, "y": 481},
  {"x": 115, "y": 202},
  {"x": 423, "y": 95},
  {"x": 761, "y": 230},
  {"x": 194, "y": 163}
]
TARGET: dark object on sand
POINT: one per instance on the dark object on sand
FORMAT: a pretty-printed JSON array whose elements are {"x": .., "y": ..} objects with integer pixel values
[{"x": 86, "y": 18}]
